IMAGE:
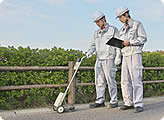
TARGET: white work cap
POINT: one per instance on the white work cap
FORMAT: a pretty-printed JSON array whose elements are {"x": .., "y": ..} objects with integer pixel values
[
  {"x": 120, "y": 11},
  {"x": 97, "y": 16}
]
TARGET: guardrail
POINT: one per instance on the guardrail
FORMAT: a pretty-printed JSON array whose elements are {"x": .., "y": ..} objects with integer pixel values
[{"x": 69, "y": 68}]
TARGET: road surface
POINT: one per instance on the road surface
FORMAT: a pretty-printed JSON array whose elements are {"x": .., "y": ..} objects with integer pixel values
[{"x": 153, "y": 110}]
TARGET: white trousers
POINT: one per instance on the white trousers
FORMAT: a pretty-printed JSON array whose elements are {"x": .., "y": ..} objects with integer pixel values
[
  {"x": 131, "y": 80},
  {"x": 105, "y": 72}
]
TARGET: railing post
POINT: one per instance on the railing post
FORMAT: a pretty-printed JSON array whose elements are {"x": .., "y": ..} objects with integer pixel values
[{"x": 71, "y": 95}]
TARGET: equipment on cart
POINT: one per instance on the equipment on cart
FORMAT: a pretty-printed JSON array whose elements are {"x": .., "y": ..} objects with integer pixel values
[{"x": 58, "y": 105}]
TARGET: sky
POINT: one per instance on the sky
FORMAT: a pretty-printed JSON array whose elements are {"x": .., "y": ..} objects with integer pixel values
[{"x": 68, "y": 23}]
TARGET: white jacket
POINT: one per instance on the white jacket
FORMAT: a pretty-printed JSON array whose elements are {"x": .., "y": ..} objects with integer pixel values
[
  {"x": 99, "y": 46},
  {"x": 135, "y": 33}
]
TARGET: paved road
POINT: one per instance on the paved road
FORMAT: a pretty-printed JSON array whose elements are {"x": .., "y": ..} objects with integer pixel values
[{"x": 153, "y": 110}]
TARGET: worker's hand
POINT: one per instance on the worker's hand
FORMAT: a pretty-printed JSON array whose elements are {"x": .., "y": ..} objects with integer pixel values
[
  {"x": 126, "y": 43},
  {"x": 88, "y": 55},
  {"x": 117, "y": 60}
]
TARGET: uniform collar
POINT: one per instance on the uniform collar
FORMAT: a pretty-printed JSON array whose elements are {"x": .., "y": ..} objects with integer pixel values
[
  {"x": 130, "y": 23},
  {"x": 105, "y": 29}
]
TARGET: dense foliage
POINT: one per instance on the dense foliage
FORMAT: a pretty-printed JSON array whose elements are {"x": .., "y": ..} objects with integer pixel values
[{"x": 20, "y": 56}]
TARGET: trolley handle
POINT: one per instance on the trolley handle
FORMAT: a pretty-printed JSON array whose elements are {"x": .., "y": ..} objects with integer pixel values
[{"x": 83, "y": 58}]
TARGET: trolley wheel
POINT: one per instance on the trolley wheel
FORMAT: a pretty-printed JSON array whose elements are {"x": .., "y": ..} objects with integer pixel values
[
  {"x": 72, "y": 108},
  {"x": 60, "y": 109},
  {"x": 54, "y": 108}
]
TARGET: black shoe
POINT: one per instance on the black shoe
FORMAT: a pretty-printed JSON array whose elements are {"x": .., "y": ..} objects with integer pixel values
[
  {"x": 139, "y": 109},
  {"x": 125, "y": 107},
  {"x": 113, "y": 105},
  {"x": 95, "y": 105}
]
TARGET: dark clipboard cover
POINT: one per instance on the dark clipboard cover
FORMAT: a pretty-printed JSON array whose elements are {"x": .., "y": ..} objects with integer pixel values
[{"x": 115, "y": 42}]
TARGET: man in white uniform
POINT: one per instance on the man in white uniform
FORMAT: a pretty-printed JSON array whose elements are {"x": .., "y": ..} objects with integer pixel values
[
  {"x": 134, "y": 37},
  {"x": 107, "y": 59}
]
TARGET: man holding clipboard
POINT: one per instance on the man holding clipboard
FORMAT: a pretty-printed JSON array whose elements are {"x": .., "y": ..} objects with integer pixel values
[{"x": 133, "y": 35}]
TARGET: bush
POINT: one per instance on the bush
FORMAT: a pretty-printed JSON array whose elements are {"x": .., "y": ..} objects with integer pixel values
[{"x": 20, "y": 56}]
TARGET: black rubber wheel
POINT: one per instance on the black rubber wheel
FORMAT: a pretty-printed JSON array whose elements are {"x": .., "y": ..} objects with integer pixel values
[{"x": 72, "y": 108}]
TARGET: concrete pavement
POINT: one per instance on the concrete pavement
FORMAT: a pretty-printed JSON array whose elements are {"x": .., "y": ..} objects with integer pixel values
[{"x": 153, "y": 110}]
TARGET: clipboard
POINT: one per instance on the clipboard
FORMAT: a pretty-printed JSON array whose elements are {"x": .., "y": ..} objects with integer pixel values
[{"x": 115, "y": 42}]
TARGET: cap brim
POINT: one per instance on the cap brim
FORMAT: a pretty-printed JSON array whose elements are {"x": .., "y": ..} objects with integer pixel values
[
  {"x": 99, "y": 19},
  {"x": 95, "y": 21},
  {"x": 117, "y": 17}
]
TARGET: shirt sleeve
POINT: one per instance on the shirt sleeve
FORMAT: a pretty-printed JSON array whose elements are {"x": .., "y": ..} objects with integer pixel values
[
  {"x": 141, "y": 36},
  {"x": 116, "y": 33},
  {"x": 118, "y": 50},
  {"x": 92, "y": 47}
]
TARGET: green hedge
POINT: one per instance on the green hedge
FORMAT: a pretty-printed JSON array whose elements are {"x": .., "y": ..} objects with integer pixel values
[{"x": 20, "y": 56}]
